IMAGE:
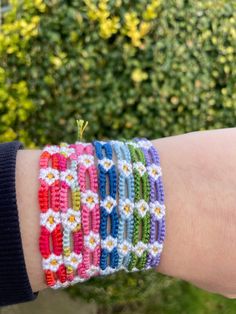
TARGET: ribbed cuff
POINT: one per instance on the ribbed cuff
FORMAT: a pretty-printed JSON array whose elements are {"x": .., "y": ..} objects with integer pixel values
[{"x": 14, "y": 282}]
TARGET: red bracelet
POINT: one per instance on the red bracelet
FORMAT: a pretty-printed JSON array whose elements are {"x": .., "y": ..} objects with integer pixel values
[{"x": 50, "y": 240}]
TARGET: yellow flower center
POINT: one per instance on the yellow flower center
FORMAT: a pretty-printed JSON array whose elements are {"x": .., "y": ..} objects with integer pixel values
[
  {"x": 87, "y": 161},
  {"x": 109, "y": 243},
  {"x": 50, "y": 175},
  {"x": 125, "y": 168},
  {"x": 109, "y": 205},
  {"x": 69, "y": 177},
  {"x": 125, "y": 247},
  {"x": 154, "y": 172},
  {"x": 155, "y": 249},
  {"x": 107, "y": 164},
  {"x": 71, "y": 218},
  {"x": 51, "y": 219},
  {"x": 92, "y": 240},
  {"x": 90, "y": 199},
  {"x": 143, "y": 208},
  {"x": 127, "y": 208},
  {"x": 157, "y": 210},
  {"x": 54, "y": 262},
  {"x": 74, "y": 259}
]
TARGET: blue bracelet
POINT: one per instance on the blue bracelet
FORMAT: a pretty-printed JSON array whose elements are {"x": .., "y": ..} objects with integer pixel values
[
  {"x": 108, "y": 206},
  {"x": 126, "y": 202}
]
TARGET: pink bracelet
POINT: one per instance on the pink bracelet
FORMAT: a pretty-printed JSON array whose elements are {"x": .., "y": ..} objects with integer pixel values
[{"x": 88, "y": 182}]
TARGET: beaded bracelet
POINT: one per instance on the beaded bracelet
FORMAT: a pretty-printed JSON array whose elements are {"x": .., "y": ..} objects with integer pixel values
[
  {"x": 125, "y": 203},
  {"x": 70, "y": 212},
  {"x": 157, "y": 207},
  {"x": 50, "y": 220},
  {"x": 108, "y": 207},
  {"x": 141, "y": 209},
  {"x": 90, "y": 210}
]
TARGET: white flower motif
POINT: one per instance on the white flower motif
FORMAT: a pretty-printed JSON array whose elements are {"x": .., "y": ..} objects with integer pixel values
[
  {"x": 157, "y": 209},
  {"x": 126, "y": 208},
  {"x": 91, "y": 240},
  {"x": 145, "y": 144},
  {"x": 102, "y": 142},
  {"x": 109, "y": 243},
  {"x": 93, "y": 271},
  {"x": 89, "y": 198},
  {"x": 134, "y": 269},
  {"x": 82, "y": 143},
  {"x": 155, "y": 248},
  {"x": 50, "y": 219},
  {"x": 52, "y": 262},
  {"x": 108, "y": 270},
  {"x": 67, "y": 151},
  {"x": 71, "y": 219},
  {"x": 135, "y": 145},
  {"x": 139, "y": 248},
  {"x": 115, "y": 142},
  {"x": 124, "y": 248},
  {"x": 52, "y": 149},
  {"x": 125, "y": 168},
  {"x": 49, "y": 175},
  {"x": 57, "y": 285},
  {"x": 139, "y": 166},
  {"x": 154, "y": 171},
  {"x": 86, "y": 160},
  {"x": 108, "y": 203},
  {"x": 77, "y": 279},
  {"x": 142, "y": 207},
  {"x": 73, "y": 260},
  {"x": 70, "y": 177},
  {"x": 106, "y": 163},
  {"x": 65, "y": 284}
]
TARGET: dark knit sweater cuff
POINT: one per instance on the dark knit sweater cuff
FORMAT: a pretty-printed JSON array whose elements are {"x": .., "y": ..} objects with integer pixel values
[{"x": 14, "y": 282}]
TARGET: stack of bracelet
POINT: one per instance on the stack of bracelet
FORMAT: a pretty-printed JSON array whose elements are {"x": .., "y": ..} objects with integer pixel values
[{"x": 101, "y": 209}]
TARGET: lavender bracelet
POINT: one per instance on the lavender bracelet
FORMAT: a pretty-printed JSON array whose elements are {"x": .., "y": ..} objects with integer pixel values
[{"x": 157, "y": 206}]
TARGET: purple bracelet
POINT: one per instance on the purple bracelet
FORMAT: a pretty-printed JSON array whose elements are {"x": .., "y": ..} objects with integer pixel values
[{"x": 156, "y": 205}]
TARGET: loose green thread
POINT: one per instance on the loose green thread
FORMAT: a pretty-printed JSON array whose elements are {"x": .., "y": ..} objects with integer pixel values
[{"x": 81, "y": 126}]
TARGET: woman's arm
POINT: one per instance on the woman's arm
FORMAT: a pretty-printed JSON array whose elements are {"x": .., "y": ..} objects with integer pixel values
[{"x": 199, "y": 175}]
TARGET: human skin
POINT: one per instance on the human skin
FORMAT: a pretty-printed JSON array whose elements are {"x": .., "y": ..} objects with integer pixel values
[{"x": 199, "y": 175}]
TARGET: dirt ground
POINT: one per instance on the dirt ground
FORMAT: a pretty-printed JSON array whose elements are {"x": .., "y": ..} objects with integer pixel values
[{"x": 50, "y": 302}]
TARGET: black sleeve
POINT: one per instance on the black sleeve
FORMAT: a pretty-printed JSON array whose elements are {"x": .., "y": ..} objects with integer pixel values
[{"x": 14, "y": 282}]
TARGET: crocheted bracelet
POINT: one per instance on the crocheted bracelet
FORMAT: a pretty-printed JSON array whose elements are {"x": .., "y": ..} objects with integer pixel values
[
  {"x": 50, "y": 222},
  {"x": 85, "y": 230},
  {"x": 157, "y": 206},
  {"x": 90, "y": 210},
  {"x": 141, "y": 210},
  {"x": 70, "y": 212},
  {"x": 108, "y": 207},
  {"x": 125, "y": 203}
]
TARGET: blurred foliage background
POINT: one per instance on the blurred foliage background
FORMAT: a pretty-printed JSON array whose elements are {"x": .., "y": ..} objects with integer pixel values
[{"x": 131, "y": 68}]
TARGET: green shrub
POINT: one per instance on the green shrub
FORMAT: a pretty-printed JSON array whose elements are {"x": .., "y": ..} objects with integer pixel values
[{"x": 131, "y": 68}]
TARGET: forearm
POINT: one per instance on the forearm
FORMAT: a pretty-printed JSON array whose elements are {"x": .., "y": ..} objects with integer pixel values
[{"x": 199, "y": 179}]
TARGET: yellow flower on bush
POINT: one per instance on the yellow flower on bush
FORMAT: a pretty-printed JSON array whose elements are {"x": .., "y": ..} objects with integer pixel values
[
  {"x": 107, "y": 25},
  {"x": 151, "y": 11},
  {"x": 138, "y": 75}
]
